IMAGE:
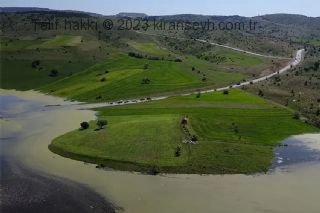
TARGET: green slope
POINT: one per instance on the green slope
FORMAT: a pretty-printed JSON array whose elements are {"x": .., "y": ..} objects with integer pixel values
[{"x": 145, "y": 136}]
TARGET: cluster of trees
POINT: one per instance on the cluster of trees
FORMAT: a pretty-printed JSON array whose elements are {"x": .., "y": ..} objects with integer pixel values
[
  {"x": 215, "y": 58},
  {"x": 204, "y": 77},
  {"x": 100, "y": 123},
  {"x": 36, "y": 65},
  {"x": 156, "y": 58}
]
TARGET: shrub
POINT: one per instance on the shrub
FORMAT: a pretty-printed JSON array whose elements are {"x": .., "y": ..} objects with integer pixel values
[
  {"x": 35, "y": 63},
  {"x": 260, "y": 93},
  {"x": 178, "y": 151},
  {"x": 204, "y": 79},
  {"x": 194, "y": 138},
  {"x": 154, "y": 170},
  {"x": 226, "y": 92},
  {"x": 135, "y": 55},
  {"x": 296, "y": 115},
  {"x": 54, "y": 73},
  {"x": 101, "y": 123},
  {"x": 145, "y": 81},
  {"x": 84, "y": 125}
]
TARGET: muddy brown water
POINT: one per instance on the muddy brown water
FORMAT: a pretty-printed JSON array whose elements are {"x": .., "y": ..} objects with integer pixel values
[{"x": 290, "y": 188}]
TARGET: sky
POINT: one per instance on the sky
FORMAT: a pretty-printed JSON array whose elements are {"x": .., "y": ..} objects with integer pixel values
[{"x": 169, "y": 7}]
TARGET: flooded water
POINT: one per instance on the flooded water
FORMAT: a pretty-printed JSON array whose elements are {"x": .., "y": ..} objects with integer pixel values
[
  {"x": 293, "y": 187},
  {"x": 297, "y": 149}
]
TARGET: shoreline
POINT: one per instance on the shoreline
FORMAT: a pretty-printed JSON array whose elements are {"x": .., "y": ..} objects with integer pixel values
[
  {"x": 26, "y": 189},
  {"x": 171, "y": 193}
]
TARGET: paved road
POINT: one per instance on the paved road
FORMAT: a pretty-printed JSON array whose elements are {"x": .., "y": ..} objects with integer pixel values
[
  {"x": 220, "y": 45},
  {"x": 240, "y": 50}
]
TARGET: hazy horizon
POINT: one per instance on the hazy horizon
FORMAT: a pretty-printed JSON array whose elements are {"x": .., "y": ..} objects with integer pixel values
[{"x": 246, "y": 8}]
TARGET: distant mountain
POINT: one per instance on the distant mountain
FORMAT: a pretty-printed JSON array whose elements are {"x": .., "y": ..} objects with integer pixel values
[
  {"x": 132, "y": 15},
  {"x": 280, "y": 26},
  {"x": 39, "y": 9},
  {"x": 22, "y": 9},
  {"x": 292, "y": 19}
]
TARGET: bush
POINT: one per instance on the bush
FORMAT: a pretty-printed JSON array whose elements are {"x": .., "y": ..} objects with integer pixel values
[
  {"x": 145, "y": 81},
  {"x": 35, "y": 63},
  {"x": 194, "y": 138},
  {"x": 154, "y": 170},
  {"x": 101, "y": 123},
  {"x": 178, "y": 151},
  {"x": 226, "y": 92},
  {"x": 135, "y": 55},
  {"x": 54, "y": 73},
  {"x": 84, "y": 125},
  {"x": 103, "y": 79},
  {"x": 260, "y": 93},
  {"x": 296, "y": 115}
]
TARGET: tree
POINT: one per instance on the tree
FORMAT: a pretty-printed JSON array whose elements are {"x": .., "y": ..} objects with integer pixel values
[
  {"x": 177, "y": 153},
  {"x": 103, "y": 79},
  {"x": 296, "y": 115},
  {"x": 101, "y": 123},
  {"x": 316, "y": 65},
  {"x": 35, "y": 63},
  {"x": 54, "y": 73},
  {"x": 204, "y": 79},
  {"x": 184, "y": 121},
  {"x": 84, "y": 125},
  {"x": 194, "y": 138},
  {"x": 145, "y": 81},
  {"x": 260, "y": 93},
  {"x": 154, "y": 170},
  {"x": 225, "y": 92}
]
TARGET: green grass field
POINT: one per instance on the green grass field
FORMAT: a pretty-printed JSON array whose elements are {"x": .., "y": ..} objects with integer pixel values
[
  {"x": 54, "y": 42},
  {"x": 24, "y": 77},
  {"x": 143, "y": 136},
  {"x": 124, "y": 79},
  {"x": 59, "y": 41},
  {"x": 82, "y": 63},
  {"x": 149, "y": 47},
  {"x": 235, "y": 58}
]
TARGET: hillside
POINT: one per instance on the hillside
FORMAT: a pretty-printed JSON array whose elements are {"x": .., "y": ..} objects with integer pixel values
[{"x": 228, "y": 131}]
